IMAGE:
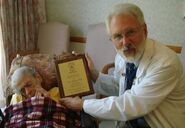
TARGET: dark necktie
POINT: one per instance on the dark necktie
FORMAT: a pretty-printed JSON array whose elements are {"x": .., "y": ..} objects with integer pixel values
[
  {"x": 129, "y": 78},
  {"x": 130, "y": 75}
]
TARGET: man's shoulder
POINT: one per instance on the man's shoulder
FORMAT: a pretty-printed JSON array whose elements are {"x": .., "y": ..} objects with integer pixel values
[
  {"x": 161, "y": 57},
  {"x": 165, "y": 54}
]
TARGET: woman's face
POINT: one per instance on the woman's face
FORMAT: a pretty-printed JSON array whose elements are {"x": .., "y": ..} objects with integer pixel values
[{"x": 28, "y": 86}]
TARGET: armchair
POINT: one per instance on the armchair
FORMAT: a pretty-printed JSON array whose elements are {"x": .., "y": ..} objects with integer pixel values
[
  {"x": 53, "y": 38},
  {"x": 43, "y": 63},
  {"x": 99, "y": 46}
]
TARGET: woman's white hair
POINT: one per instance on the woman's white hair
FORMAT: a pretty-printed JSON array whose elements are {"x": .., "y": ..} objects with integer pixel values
[
  {"x": 18, "y": 75},
  {"x": 122, "y": 9}
]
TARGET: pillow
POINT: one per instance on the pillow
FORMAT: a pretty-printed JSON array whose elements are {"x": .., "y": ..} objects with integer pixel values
[{"x": 44, "y": 65}]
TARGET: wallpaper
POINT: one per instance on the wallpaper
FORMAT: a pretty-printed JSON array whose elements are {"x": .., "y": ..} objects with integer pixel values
[{"x": 164, "y": 18}]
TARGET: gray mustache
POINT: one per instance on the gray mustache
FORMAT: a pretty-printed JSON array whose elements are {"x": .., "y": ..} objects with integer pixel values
[{"x": 127, "y": 47}]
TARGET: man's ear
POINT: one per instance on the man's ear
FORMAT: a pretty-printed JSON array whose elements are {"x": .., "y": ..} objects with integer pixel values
[{"x": 145, "y": 30}]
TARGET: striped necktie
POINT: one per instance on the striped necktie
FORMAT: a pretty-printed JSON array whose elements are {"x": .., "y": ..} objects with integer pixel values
[{"x": 130, "y": 75}]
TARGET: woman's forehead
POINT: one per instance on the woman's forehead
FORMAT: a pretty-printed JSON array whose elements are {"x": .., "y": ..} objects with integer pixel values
[{"x": 24, "y": 80}]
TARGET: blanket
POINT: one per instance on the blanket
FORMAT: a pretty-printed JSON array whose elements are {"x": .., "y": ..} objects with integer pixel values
[{"x": 40, "y": 112}]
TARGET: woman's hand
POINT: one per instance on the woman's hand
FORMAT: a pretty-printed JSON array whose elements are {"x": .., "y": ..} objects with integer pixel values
[{"x": 39, "y": 91}]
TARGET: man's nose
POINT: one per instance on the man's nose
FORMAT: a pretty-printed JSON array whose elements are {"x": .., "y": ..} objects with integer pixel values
[{"x": 125, "y": 41}]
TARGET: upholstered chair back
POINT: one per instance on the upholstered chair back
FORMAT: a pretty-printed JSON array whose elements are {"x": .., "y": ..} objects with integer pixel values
[
  {"x": 43, "y": 63},
  {"x": 53, "y": 38},
  {"x": 98, "y": 45}
]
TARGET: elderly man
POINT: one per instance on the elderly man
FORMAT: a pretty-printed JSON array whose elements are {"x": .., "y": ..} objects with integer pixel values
[{"x": 149, "y": 80}]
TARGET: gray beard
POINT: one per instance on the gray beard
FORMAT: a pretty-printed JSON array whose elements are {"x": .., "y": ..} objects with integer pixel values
[{"x": 136, "y": 57}]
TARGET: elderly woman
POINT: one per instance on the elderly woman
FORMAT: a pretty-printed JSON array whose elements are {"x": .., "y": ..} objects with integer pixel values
[
  {"x": 33, "y": 106},
  {"x": 26, "y": 83}
]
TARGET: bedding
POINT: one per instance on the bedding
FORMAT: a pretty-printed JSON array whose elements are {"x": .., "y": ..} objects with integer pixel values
[{"x": 40, "y": 112}]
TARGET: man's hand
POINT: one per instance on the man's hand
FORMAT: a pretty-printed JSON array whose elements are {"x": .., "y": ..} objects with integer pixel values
[
  {"x": 93, "y": 71},
  {"x": 74, "y": 103}
]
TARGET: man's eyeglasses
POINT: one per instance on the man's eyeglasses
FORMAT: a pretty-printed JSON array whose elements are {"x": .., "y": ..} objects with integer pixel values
[{"x": 117, "y": 38}]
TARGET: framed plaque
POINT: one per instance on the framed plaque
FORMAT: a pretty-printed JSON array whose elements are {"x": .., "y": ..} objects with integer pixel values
[{"x": 73, "y": 76}]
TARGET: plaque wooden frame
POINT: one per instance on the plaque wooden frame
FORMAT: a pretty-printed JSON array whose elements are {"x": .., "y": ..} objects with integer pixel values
[{"x": 61, "y": 76}]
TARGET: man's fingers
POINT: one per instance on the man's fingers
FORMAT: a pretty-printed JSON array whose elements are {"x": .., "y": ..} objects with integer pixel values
[{"x": 64, "y": 100}]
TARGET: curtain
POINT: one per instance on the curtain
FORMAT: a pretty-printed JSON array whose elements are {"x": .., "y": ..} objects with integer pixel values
[
  {"x": 2, "y": 70},
  {"x": 19, "y": 20}
]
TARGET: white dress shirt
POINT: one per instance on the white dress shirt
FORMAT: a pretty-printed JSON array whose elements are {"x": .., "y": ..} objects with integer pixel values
[{"x": 158, "y": 92}]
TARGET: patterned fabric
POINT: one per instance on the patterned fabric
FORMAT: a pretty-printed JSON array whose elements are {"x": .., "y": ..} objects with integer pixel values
[
  {"x": 20, "y": 20},
  {"x": 44, "y": 65},
  {"x": 130, "y": 74},
  {"x": 39, "y": 112},
  {"x": 20, "y": 23}
]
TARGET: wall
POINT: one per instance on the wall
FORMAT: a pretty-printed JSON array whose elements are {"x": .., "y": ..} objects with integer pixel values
[{"x": 164, "y": 17}]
